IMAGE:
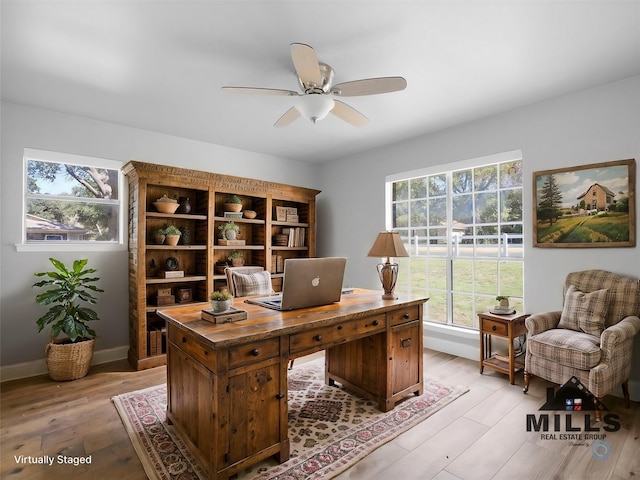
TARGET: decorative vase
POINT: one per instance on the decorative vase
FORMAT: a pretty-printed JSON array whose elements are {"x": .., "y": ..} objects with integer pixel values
[
  {"x": 230, "y": 234},
  {"x": 504, "y": 303},
  {"x": 173, "y": 239},
  {"x": 185, "y": 238},
  {"x": 218, "y": 306},
  {"x": 237, "y": 262},
  {"x": 185, "y": 206}
]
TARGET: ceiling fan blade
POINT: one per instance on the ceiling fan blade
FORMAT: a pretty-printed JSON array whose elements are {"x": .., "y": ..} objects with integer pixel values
[
  {"x": 306, "y": 64},
  {"x": 349, "y": 114},
  {"x": 288, "y": 117},
  {"x": 369, "y": 86},
  {"x": 260, "y": 91}
]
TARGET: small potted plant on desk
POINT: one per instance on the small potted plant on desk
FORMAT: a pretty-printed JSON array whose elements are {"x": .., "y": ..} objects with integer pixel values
[
  {"x": 68, "y": 358},
  {"x": 221, "y": 301}
]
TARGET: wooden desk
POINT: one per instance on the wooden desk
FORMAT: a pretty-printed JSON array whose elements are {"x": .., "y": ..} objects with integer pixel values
[{"x": 227, "y": 384}]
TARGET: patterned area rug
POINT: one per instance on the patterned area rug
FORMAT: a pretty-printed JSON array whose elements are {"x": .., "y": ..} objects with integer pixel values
[{"x": 330, "y": 429}]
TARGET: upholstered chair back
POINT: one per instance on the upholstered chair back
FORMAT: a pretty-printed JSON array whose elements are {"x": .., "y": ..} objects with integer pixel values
[{"x": 624, "y": 292}]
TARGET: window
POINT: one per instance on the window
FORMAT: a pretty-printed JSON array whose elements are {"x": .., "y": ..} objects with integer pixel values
[
  {"x": 464, "y": 232},
  {"x": 71, "y": 199}
]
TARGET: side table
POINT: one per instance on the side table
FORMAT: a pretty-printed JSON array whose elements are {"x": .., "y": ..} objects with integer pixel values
[{"x": 505, "y": 326}]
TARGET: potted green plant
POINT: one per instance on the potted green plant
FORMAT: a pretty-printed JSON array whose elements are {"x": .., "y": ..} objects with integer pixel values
[
  {"x": 159, "y": 235},
  {"x": 221, "y": 301},
  {"x": 504, "y": 301},
  {"x": 172, "y": 234},
  {"x": 68, "y": 358},
  {"x": 229, "y": 230},
  {"x": 236, "y": 259},
  {"x": 232, "y": 203}
]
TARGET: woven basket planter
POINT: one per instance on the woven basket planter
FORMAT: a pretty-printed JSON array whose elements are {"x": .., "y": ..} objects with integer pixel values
[{"x": 69, "y": 361}]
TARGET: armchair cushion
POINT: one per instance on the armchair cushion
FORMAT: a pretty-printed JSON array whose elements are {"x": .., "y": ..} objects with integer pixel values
[
  {"x": 566, "y": 347},
  {"x": 257, "y": 283},
  {"x": 585, "y": 312}
]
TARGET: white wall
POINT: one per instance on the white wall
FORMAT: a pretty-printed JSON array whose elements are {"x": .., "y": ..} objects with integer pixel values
[
  {"x": 28, "y": 127},
  {"x": 597, "y": 125}
]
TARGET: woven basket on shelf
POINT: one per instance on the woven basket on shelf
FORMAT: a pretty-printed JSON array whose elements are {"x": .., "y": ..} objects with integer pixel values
[{"x": 69, "y": 361}]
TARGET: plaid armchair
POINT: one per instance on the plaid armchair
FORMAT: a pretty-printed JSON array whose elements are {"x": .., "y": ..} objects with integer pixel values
[{"x": 591, "y": 338}]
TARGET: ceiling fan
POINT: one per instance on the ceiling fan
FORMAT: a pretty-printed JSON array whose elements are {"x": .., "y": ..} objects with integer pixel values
[{"x": 317, "y": 97}]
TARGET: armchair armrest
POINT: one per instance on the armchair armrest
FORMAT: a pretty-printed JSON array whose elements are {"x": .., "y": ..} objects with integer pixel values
[
  {"x": 541, "y": 322},
  {"x": 614, "y": 335}
]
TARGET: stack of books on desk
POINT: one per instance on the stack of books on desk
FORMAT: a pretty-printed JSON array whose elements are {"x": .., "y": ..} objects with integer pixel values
[{"x": 228, "y": 316}]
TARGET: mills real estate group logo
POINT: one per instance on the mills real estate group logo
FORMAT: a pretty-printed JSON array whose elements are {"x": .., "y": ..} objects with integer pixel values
[{"x": 575, "y": 419}]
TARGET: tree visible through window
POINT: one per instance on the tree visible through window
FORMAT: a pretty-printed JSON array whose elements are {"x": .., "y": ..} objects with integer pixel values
[
  {"x": 66, "y": 201},
  {"x": 463, "y": 230}
]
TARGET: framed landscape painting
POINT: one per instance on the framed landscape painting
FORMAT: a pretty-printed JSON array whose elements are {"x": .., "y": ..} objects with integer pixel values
[{"x": 586, "y": 206}]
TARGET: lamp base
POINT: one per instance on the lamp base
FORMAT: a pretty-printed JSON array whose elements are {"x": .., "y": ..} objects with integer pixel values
[{"x": 388, "y": 273}]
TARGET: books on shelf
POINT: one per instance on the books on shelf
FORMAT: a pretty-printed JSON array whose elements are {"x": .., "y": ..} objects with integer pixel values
[
  {"x": 277, "y": 264},
  {"x": 296, "y": 236},
  {"x": 155, "y": 340}
]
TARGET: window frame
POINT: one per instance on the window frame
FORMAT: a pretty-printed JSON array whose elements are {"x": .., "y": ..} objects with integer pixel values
[
  {"x": 451, "y": 256},
  {"x": 70, "y": 245}
]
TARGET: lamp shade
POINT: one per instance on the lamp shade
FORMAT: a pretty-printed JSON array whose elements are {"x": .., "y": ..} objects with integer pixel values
[
  {"x": 315, "y": 106},
  {"x": 388, "y": 244}
]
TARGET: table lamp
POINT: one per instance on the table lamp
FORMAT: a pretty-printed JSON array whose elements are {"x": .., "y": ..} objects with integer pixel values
[{"x": 388, "y": 244}]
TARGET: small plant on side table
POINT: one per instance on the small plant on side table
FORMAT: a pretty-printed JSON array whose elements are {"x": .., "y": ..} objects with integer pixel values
[{"x": 504, "y": 301}]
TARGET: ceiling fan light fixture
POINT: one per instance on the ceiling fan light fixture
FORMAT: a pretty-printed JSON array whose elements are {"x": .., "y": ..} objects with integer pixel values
[{"x": 315, "y": 106}]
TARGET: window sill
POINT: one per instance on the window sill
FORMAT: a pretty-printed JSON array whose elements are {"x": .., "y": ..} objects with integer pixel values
[{"x": 70, "y": 247}]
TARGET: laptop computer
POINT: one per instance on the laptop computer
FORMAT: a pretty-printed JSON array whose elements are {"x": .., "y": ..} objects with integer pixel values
[{"x": 308, "y": 282}]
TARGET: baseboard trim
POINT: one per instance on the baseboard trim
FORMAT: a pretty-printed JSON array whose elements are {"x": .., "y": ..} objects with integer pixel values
[{"x": 39, "y": 367}]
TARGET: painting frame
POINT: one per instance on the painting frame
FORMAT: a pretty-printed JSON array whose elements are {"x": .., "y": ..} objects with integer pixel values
[{"x": 599, "y": 216}]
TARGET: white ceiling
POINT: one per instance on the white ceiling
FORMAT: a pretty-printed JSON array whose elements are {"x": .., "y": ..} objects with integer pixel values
[{"x": 159, "y": 65}]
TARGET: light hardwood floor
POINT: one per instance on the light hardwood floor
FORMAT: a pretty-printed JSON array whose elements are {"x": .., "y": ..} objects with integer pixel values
[{"x": 481, "y": 435}]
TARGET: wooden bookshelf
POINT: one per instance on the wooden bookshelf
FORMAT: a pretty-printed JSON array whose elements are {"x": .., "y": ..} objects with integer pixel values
[{"x": 206, "y": 192}]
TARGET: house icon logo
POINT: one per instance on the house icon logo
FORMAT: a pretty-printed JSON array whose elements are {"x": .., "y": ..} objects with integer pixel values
[
  {"x": 572, "y": 396},
  {"x": 576, "y": 425}
]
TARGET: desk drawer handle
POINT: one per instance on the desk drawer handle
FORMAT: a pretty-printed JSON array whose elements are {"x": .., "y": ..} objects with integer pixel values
[
  {"x": 339, "y": 327},
  {"x": 406, "y": 316},
  {"x": 317, "y": 338},
  {"x": 255, "y": 352},
  {"x": 184, "y": 339},
  {"x": 280, "y": 396},
  {"x": 375, "y": 323},
  {"x": 494, "y": 328},
  {"x": 405, "y": 342}
]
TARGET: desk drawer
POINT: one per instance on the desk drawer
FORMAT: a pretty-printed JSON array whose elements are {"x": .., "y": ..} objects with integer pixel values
[
  {"x": 320, "y": 338},
  {"x": 253, "y": 352},
  {"x": 188, "y": 343},
  {"x": 404, "y": 315},
  {"x": 493, "y": 327}
]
